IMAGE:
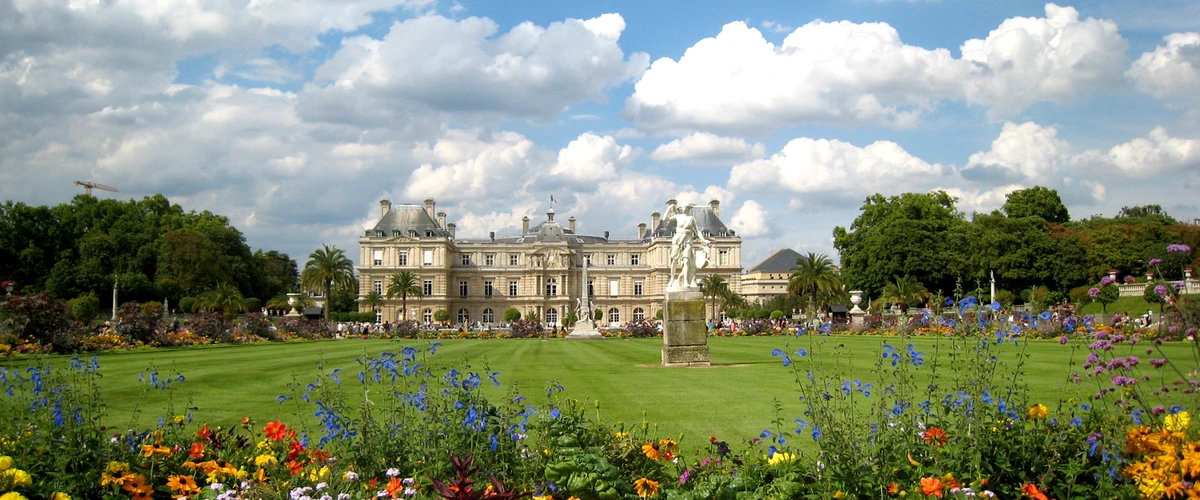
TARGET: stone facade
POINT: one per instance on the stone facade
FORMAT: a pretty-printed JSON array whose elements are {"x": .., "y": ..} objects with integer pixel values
[
  {"x": 770, "y": 277},
  {"x": 538, "y": 271}
]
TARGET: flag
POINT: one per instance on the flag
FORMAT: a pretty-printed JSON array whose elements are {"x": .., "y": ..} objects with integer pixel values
[{"x": 552, "y": 200}]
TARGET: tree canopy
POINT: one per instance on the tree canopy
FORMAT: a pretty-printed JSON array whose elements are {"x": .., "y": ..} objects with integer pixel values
[{"x": 1036, "y": 201}]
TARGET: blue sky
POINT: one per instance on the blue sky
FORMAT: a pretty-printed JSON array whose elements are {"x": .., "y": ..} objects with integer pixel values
[{"x": 295, "y": 117}]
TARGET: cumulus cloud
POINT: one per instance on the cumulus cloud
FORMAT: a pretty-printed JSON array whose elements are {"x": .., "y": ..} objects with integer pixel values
[
  {"x": 851, "y": 73},
  {"x": 473, "y": 166},
  {"x": 751, "y": 220},
  {"x": 1023, "y": 152},
  {"x": 462, "y": 66},
  {"x": 1157, "y": 153},
  {"x": 1172, "y": 70},
  {"x": 590, "y": 159},
  {"x": 708, "y": 149},
  {"x": 807, "y": 165}
]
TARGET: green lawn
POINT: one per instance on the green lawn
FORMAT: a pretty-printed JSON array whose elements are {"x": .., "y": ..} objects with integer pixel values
[{"x": 734, "y": 399}]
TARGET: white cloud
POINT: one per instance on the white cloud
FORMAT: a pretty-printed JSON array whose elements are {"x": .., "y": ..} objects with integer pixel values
[
  {"x": 750, "y": 220},
  {"x": 591, "y": 158},
  {"x": 1172, "y": 70},
  {"x": 807, "y": 165},
  {"x": 774, "y": 26},
  {"x": 1023, "y": 152},
  {"x": 710, "y": 149},
  {"x": 474, "y": 166},
  {"x": 462, "y": 66},
  {"x": 848, "y": 73},
  {"x": 1157, "y": 153}
]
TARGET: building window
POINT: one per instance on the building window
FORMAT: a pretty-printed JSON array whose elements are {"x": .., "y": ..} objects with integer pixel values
[
  {"x": 404, "y": 257},
  {"x": 723, "y": 257},
  {"x": 637, "y": 288},
  {"x": 551, "y": 287},
  {"x": 378, "y": 287},
  {"x": 489, "y": 316},
  {"x": 427, "y": 315},
  {"x": 427, "y": 287},
  {"x": 611, "y": 259},
  {"x": 614, "y": 288},
  {"x": 427, "y": 258},
  {"x": 512, "y": 259},
  {"x": 466, "y": 259},
  {"x": 638, "y": 314},
  {"x": 379, "y": 317},
  {"x": 377, "y": 257},
  {"x": 512, "y": 288},
  {"x": 490, "y": 259},
  {"x": 591, "y": 288},
  {"x": 487, "y": 288},
  {"x": 463, "y": 316},
  {"x": 614, "y": 316},
  {"x": 635, "y": 259},
  {"x": 551, "y": 317},
  {"x": 588, "y": 258},
  {"x": 462, "y": 288}
]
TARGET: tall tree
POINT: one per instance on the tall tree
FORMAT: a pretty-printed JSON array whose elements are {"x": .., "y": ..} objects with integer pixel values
[
  {"x": 714, "y": 287},
  {"x": 224, "y": 298},
  {"x": 1036, "y": 201},
  {"x": 903, "y": 290},
  {"x": 326, "y": 268},
  {"x": 816, "y": 278},
  {"x": 373, "y": 300},
  {"x": 403, "y": 284}
]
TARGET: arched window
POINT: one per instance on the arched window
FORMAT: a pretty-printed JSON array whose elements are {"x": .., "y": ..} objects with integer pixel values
[
  {"x": 489, "y": 316},
  {"x": 614, "y": 316},
  {"x": 463, "y": 316},
  {"x": 551, "y": 287},
  {"x": 638, "y": 314},
  {"x": 552, "y": 317},
  {"x": 427, "y": 315}
]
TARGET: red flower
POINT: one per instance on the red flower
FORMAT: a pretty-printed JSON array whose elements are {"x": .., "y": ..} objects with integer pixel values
[
  {"x": 197, "y": 450},
  {"x": 394, "y": 487},
  {"x": 1032, "y": 491},
  {"x": 935, "y": 436},
  {"x": 276, "y": 431},
  {"x": 932, "y": 487}
]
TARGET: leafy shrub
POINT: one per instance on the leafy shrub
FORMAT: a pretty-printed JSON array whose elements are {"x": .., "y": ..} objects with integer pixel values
[
  {"x": 39, "y": 318},
  {"x": 187, "y": 305},
  {"x": 211, "y": 325},
  {"x": 523, "y": 328},
  {"x": 755, "y": 326},
  {"x": 85, "y": 308},
  {"x": 305, "y": 328},
  {"x": 776, "y": 314},
  {"x": 1005, "y": 298},
  {"x": 511, "y": 314},
  {"x": 254, "y": 323},
  {"x": 407, "y": 329},
  {"x": 140, "y": 322},
  {"x": 441, "y": 315},
  {"x": 642, "y": 328},
  {"x": 253, "y": 304}
]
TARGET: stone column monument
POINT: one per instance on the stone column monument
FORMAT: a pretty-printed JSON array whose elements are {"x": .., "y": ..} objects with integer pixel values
[
  {"x": 685, "y": 333},
  {"x": 584, "y": 328}
]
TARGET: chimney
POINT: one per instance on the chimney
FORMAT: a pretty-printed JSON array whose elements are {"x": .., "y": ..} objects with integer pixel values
[
  {"x": 715, "y": 206},
  {"x": 385, "y": 206},
  {"x": 450, "y": 227},
  {"x": 571, "y": 223},
  {"x": 492, "y": 235},
  {"x": 524, "y": 224},
  {"x": 429, "y": 207},
  {"x": 606, "y": 235},
  {"x": 655, "y": 218},
  {"x": 441, "y": 219},
  {"x": 641, "y": 230}
]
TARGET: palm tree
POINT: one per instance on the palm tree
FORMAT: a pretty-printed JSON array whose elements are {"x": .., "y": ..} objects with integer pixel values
[
  {"x": 327, "y": 267},
  {"x": 714, "y": 287},
  {"x": 902, "y": 290},
  {"x": 816, "y": 277},
  {"x": 224, "y": 297},
  {"x": 373, "y": 300},
  {"x": 403, "y": 284}
]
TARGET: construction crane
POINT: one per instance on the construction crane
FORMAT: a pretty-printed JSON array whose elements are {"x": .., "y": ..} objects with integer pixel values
[{"x": 88, "y": 185}]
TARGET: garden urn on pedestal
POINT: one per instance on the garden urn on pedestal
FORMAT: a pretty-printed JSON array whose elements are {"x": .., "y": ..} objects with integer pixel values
[
  {"x": 856, "y": 314},
  {"x": 293, "y": 299}
]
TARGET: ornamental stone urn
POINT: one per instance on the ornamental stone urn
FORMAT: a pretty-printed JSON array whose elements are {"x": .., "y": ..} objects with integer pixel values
[
  {"x": 856, "y": 314},
  {"x": 293, "y": 299}
]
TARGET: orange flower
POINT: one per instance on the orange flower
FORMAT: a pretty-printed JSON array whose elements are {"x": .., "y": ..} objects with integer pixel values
[
  {"x": 645, "y": 487},
  {"x": 276, "y": 430},
  {"x": 893, "y": 489},
  {"x": 651, "y": 451},
  {"x": 935, "y": 436},
  {"x": 182, "y": 484},
  {"x": 932, "y": 487},
  {"x": 394, "y": 487},
  {"x": 951, "y": 482},
  {"x": 1032, "y": 491},
  {"x": 197, "y": 450}
]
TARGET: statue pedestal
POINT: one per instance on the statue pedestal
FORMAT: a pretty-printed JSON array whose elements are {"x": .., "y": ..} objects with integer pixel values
[
  {"x": 685, "y": 333},
  {"x": 584, "y": 329}
]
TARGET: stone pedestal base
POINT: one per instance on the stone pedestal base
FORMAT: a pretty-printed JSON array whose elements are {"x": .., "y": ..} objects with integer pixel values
[
  {"x": 584, "y": 330},
  {"x": 856, "y": 318},
  {"x": 685, "y": 334}
]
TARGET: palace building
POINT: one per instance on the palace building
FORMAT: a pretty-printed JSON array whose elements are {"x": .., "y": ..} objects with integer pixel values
[{"x": 537, "y": 271}]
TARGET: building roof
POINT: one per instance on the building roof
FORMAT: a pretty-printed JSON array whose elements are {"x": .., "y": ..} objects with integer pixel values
[
  {"x": 781, "y": 261},
  {"x": 409, "y": 220},
  {"x": 706, "y": 220}
]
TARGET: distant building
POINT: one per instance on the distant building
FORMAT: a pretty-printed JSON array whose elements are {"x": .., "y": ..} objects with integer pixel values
[
  {"x": 770, "y": 277},
  {"x": 537, "y": 271}
]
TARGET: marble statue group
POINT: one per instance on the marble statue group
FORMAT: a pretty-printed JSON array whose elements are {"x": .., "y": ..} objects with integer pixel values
[{"x": 686, "y": 257}]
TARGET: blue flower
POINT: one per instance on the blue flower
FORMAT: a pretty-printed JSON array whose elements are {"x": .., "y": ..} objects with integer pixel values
[
  {"x": 495, "y": 442},
  {"x": 1176, "y": 409},
  {"x": 1077, "y": 422},
  {"x": 766, "y": 433},
  {"x": 777, "y": 352},
  {"x": 846, "y": 388},
  {"x": 492, "y": 377},
  {"x": 949, "y": 301},
  {"x": 1045, "y": 315},
  {"x": 995, "y": 306},
  {"x": 816, "y": 433},
  {"x": 554, "y": 413},
  {"x": 803, "y": 425},
  {"x": 802, "y": 352},
  {"x": 281, "y": 398},
  {"x": 914, "y": 356}
]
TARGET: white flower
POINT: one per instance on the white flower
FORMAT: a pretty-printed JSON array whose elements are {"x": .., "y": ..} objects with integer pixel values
[{"x": 393, "y": 472}]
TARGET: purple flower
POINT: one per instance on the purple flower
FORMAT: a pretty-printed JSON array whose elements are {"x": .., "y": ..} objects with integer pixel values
[
  {"x": 1179, "y": 285},
  {"x": 1094, "y": 292},
  {"x": 1107, "y": 280},
  {"x": 1161, "y": 290},
  {"x": 1121, "y": 380},
  {"x": 1155, "y": 262},
  {"x": 1064, "y": 339},
  {"x": 1158, "y": 363},
  {"x": 1178, "y": 248},
  {"x": 1130, "y": 279}
]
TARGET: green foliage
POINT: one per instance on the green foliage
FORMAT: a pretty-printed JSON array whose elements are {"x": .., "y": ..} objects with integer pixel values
[
  {"x": 140, "y": 322},
  {"x": 223, "y": 298},
  {"x": 776, "y": 314},
  {"x": 511, "y": 314},
  {"x": 1108, "y": 294},
  {"x": 353, "y": 317},
  {"x": 327, "y": 268},
  {"x": 253, "y": 305},
  {"x": 1154, "y": 212},
  {"x": 658, "y": 314},
  {"x": 85, "y": 308},
  {"x": 187, "y": 305},
  {"x": 904, "y": 291},
  {"x": 372, "y": 300},
  {"x": 532, "y": 316},
  {"x": 404, "y": 284},
  {"x": 816, "y": 281},
  {"x": 1005, "y": 298},
  {"x": 39, "y": 318},
  {"x": 1036, "y": 201},
  {"x": 714, "y": 287},
  {"x": 441, "y": 315}
]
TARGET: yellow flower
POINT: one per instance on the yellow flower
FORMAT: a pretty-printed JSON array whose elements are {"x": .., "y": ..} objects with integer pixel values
[
  {"x": 839, "y": 495},
  {"x": 16, "y": 477},
  {"x": 1038, "y": 411},
  {"x": 645, "y": 487},
  {"x": 12, "y": 495},
  {"x": 179, "y": 419},
  {"x": 58, "y": 495},
  {"x": 622, "y": 435},
  {"x": 265, "y": 460},
  {"x": 183, "y": 484},
  {"x": 5, "y": 462},
  {"x": 1178, "y": 422},
  {"x": 781, "y": 458}
]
